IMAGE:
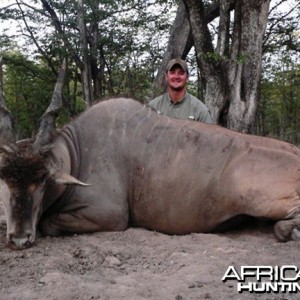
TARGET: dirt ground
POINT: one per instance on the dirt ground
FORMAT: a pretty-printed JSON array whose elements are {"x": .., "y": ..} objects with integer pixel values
[{"x": 140, "y": 264}]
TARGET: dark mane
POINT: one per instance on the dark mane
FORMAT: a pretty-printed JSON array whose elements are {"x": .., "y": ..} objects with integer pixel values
[{"x": 23, "y": 167}]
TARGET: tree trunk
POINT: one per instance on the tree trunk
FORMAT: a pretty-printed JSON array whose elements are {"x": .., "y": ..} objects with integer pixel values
[
  {"x": 85, "y": 70},
  {"x": 245, "y": 62},
  {"x": 95, "y": 74},
  {"x": 180, "y": 43},
  {"x": 6, "y": 128},
  {"x": 231, "y": 73},
  {"x": 209, "y": 62},
  {"x": 96, "y": 62}
]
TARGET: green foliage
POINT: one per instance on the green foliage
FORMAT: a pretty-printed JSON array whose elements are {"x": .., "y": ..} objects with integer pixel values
[
  {"x": 28, "y": 87},
  {"x": 213, "y": 57},
  {"x": 280, "y": 105},
  {"x": 131, "y": 38}
]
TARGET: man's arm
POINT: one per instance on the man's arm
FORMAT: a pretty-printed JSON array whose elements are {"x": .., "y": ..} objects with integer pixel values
[{"x": 204, "y": 116}]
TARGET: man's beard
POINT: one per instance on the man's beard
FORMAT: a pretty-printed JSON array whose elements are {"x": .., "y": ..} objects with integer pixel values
[{"x": 177, "y": 89}]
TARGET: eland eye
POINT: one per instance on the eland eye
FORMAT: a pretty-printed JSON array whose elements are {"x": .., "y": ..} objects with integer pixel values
[{"x": 31, "y": 189}]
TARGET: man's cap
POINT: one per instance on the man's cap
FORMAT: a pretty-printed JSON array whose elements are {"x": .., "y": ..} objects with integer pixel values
[{"x": 177, "y": 61}]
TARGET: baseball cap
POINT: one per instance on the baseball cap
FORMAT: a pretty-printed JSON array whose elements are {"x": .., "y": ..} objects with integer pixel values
[{"x": 177, "y": 61}]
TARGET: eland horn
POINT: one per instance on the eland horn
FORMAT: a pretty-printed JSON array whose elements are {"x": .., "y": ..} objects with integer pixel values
[
  {"x": 7, "y": 137},
  {"x": 47, "y": 122}
]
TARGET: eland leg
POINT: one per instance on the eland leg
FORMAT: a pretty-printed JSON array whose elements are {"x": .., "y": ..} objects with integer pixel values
[
  {"x": 286, "y": 230},
  {"x": 88, "y": 219}
]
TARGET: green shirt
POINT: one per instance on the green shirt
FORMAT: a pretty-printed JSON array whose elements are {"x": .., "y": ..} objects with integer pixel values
[{"x": 189, "y": 107}]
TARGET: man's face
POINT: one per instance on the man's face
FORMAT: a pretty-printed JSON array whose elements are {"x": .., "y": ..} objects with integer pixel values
[{"x": 176, "y": 78}]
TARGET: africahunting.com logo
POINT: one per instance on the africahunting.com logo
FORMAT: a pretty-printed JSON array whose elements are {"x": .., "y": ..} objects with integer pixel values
[{"x": 264, "y": 279}]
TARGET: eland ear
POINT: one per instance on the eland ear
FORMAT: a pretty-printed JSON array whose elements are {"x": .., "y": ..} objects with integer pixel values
[{"x": 61, "y": 177}]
